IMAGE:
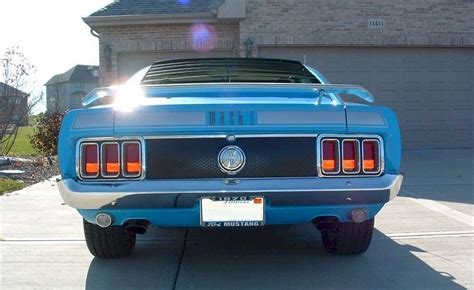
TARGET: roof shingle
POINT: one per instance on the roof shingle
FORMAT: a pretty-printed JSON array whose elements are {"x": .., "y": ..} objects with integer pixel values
[
  {"x": 8, "y": 90},
  {"x": 154, "y": 7},
  {"x": 78, "y": 73}
]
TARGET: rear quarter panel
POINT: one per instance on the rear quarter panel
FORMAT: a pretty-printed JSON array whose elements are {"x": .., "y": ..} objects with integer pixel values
[
  {"x": 82, "y": 123},
  {"x": 381, "y": 121}
]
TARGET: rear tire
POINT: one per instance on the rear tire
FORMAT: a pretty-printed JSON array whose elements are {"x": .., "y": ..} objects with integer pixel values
[
  {"x": 110, "y": 242},
  {"x": 347, "y": 238}
]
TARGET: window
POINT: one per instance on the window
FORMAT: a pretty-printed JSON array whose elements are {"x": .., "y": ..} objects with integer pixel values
[
  {"x": 228, "y": 70},
  {"x": 76, "y": 99}
]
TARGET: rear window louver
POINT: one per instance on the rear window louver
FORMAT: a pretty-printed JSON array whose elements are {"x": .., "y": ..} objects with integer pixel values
[{"x": 227, "y": 70}]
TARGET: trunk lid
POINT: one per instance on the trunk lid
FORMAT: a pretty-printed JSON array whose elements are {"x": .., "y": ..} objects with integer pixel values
[{"x": 231, "y": 108}]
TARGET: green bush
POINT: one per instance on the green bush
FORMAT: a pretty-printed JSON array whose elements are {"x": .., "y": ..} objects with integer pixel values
[{"x": 46, "y": 132}]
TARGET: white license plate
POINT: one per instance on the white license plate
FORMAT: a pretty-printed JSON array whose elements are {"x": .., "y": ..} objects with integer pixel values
[{"x": 239, "y": 211}]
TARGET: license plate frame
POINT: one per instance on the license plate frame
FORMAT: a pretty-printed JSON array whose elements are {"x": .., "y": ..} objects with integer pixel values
[{"x": 253, "y": 205}]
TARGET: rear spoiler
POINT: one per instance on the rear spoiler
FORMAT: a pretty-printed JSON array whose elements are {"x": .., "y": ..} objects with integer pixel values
[
  {"x": 107, "y": 95},
  {"x": 354, "y": 90}
]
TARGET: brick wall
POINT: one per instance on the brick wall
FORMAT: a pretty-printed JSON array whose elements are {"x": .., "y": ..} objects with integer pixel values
[
  {"x": 305, "y": 22},
  {"x": 155, "y": 38},
  {"x": 337, "y": 22},
  {"x": 16, "y": 107}
]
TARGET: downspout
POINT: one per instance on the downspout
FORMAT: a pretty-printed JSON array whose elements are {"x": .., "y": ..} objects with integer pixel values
[{"x": 94, "y": 33}]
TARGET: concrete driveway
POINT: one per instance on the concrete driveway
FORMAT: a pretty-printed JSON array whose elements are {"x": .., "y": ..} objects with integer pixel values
[{"x": 424, "y": 240}]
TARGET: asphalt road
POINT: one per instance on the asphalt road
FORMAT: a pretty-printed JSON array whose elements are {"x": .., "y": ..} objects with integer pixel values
[{"x": 424, "y": 239}]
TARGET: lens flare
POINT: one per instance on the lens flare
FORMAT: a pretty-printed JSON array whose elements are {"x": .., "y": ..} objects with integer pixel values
[
  {"x": 203, "y": 37},
  {"x": 130, "y": 95},
  {"x": 128, "y": 98}
]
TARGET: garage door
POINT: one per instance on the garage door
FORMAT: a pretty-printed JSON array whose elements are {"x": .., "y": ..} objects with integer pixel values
[
  {"x": 431, "y": 89},
  {"x": 129, "y": 63}
]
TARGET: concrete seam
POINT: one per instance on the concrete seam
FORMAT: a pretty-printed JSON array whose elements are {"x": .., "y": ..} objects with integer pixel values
[
  {"x": 440, "y": 208},
  {"x": 185, "y": 242}
]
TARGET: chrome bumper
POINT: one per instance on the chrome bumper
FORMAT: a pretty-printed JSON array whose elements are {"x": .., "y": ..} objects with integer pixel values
[{"x": 184, "y": 193}]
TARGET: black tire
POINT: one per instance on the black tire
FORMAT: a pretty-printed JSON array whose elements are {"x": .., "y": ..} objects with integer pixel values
[
  {"x": 110, "y": 242},
  {"x": 348, "y": 238}
]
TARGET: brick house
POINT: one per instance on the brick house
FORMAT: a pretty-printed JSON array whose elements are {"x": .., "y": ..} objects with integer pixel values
[
  {"x": 13, "y": 106},
  {"x": 416, "y": 56},
  {"x": 65, "y": 91}
]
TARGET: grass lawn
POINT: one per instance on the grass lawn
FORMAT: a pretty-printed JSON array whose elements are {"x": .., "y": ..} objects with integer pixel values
[
  {"x": 8, "y": 185},
  {"x": 22, "y": 146}
]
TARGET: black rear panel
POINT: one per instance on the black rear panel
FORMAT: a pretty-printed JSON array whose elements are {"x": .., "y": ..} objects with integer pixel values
[{"x": 197, "y": 158}]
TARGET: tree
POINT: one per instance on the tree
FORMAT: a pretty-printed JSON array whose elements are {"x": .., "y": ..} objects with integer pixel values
[
  {"x": 56, "y": 93},
  {"x": 15, "y": 104},
  {"x": 46, "y": 132}
]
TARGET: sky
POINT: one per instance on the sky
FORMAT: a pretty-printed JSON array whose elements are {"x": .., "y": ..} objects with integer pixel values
[{"x": 51, "y": 34}]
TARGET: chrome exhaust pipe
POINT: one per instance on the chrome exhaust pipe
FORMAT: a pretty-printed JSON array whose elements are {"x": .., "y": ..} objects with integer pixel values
[{"x": 136, "y": 229}]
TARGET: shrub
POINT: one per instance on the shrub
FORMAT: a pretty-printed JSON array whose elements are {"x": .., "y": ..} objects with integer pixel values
[{"x": 46, "y": 132}]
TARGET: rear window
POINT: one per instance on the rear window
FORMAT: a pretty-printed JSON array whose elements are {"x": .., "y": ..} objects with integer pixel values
[{"x": 227, "y": 70}]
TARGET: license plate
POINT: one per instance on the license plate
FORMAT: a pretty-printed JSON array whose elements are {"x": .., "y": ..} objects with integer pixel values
[{"x": 239, "y": 211}]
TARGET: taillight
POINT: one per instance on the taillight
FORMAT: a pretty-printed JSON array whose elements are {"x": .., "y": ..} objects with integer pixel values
[
  {"x": 370, "y": 156},
  {"x": 350, "y": 156},
  {"x": 132, "y": 165},
  {"x": 110, "y": 159},
  {"x": 90, "y": 160},
  {"x": 330, "y": 156}
]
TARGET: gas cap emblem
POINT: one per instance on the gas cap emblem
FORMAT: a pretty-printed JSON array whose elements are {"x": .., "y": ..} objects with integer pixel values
[{"x": 231, "y": 159}]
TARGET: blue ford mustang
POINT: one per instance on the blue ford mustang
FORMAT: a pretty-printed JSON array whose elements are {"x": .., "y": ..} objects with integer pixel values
[{"x": 228, "y": 142}]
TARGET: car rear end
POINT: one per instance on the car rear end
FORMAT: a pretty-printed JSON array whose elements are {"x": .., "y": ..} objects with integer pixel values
[{"x": 242, "y": 160}]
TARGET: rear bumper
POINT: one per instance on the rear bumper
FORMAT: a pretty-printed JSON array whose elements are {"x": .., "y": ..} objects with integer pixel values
[
  {"x": 190, "y": 217},
  {"x": 185, "y": 194}
]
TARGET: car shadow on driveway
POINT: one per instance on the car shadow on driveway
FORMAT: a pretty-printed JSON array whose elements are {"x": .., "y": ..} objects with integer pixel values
[{"x": 282, "y": 257}]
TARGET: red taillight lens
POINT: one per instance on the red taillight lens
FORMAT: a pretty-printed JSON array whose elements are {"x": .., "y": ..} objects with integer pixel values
[
  {"x": 111, "y": 159},
  {"x": 371, "y": 156},
  {"x": 330, "y": 156},
  {"x": 132, "y": 159},
  {"x": 350, "y": 156},
  {"x": 342, "y": 155},
  {"x": 90, "y": 160}
]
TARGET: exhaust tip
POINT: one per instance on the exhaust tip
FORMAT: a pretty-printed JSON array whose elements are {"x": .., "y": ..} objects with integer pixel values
[
  {"x": 103, "y": 220},
  {"x": 359, "y": 215},
  {"x": 136, "y": 229}
]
